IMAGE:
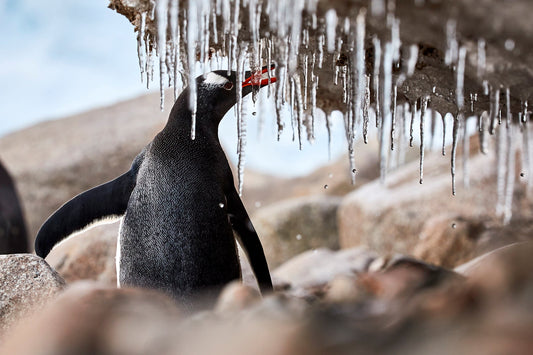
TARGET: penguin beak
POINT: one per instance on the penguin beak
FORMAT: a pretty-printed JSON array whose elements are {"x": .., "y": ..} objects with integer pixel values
[{"x": 260, "y": 78}]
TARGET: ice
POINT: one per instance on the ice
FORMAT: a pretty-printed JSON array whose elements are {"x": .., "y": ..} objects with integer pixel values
[
  {"x": 510, "y": 178},
  {"x": 459, "y": 95},
  {"x": 377, "y": 7},
  {"x": 455, "y": 135},
  {"x": 299, "y": 104},
  {"x": 331, "y": 28},
  {"x": 393, "y": 123},
  {"x": 501, "y": 169},
  {"x": 141, "y": 45},
  {"x": 423, "y": 108},
  {"x": 241, "y": 123},
  {"x": 494, "y": 109},
  {"x": 413, "y": 59},
  {"x": 443, "y": 135},
  {"x": 386, "y": 107},
  {"x": 451, "y": 42},
  {"x": 162, "y": 19},
  {"x": 375, "y": 78},
  {"x": 466, "y": 156},
  {"x": 192, "y": 37},
  {"x": 411, "y": 129},
  {"x": 481, "y": 58}
]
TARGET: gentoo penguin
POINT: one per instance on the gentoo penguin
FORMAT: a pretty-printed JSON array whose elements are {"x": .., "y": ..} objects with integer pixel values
[
  {"x": 179, "y": 203},
  {"x": 13, "y": 237}
]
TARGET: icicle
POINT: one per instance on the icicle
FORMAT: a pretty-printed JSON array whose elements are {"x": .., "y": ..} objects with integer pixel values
[
  {"x": 455, "y": 133},
  {"x": 377, "y": 7},
  {"x": 331, "y": 28},
  {"x": 413, "y": 59},
  {"x": 393, "y": 123},
  {"x": 162, "y": 19},
  {"x": 495, "y": 109},
  {"x": 375, "y": 78},
  {"x": 508, "y": 106},
  {"x": 321, "y": 40},
  {"x": 401, "y": 136},
  {"x": 387, "y": 89},
  {"x": 433, "y": 129},
  {"x": 192, "y": 36},
  {"x": 366, "y": 108},
  {"x": 443, "y": 135},
  {"x": 175, "y": 36},
  {"x": 269, "y": 62},
  {"x": 395, "y": 39},
  {"x": 510, "y": 178},
  {"x": 141, "y": 45},
  {"x": 241, "y": 123},
  {"x": 305, "y": 72},
  {"x": 466, "y": 156},
  {"x": 481, "y": 58},
  {"x": 328, "y": 128},
  {"x": 459, "y": 95},
  {"x": 411, "y": 129},
  {"x": 423, "y": 107},
  {"x": 501, "y": 170},
  {"x": 482, "y": 133},
  {"x": 299, "y": 103},
  {"x": 451, "y": 42},
  {"x": 359, "y": 73}
]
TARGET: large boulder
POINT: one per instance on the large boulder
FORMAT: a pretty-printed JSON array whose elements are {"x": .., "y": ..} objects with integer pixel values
[
  {"x": 292, "y": 226},
  {"x": 27, "y": 283},
  {"x": 390, "y": 217}
]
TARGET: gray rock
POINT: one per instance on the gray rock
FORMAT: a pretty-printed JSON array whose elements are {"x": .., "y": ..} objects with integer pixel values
[
  {"x": 27, "y": 283},
  {"x": 315, "y": 268},
  {"x": 292, "y": 226}
]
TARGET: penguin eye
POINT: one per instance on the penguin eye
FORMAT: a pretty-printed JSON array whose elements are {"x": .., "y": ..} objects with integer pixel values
[{"x": 228, "y": 85}]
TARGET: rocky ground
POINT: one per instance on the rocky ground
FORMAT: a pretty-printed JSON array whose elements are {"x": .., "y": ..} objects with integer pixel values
[{"x": 398, "y": 268}]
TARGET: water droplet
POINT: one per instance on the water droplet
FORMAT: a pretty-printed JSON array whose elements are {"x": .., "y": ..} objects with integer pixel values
[
  {"x": 330, "y": 175},
  {"x": 325, "y": 186},
  {"x": 254, "y": 113},
  {"x": 509, "y": 44},
  {"x": 354, "y": 171},
  {"x": 454, "y": 225},
  {"x": 522, "y": 174},
  {"x": 221, "y": 205},
  {"x": 298, "y": 237},
  {"x": 257, "y": 204}
]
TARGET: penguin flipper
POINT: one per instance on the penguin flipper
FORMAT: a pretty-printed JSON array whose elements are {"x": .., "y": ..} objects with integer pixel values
[
  {"x": 248, "y": 239},
  {"x": 109, "y": 199}
]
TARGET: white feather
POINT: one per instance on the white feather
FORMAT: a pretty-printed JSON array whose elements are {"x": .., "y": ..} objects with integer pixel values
[{"x": 214, "y": 79}]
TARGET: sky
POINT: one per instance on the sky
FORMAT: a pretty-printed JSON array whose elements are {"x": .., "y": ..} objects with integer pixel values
[{"x": 60, "y": 57}]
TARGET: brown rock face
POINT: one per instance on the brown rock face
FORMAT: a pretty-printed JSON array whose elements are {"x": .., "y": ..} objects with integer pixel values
[
  {"x": 89, "y": 255},
  {"x": 292, "y": 226},
  {"x": 390, "y": 217},
  {"x": 27, "y": 283}
]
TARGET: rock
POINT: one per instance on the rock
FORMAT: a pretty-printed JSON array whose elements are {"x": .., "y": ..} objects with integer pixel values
[
  {"x": 89, "y": 255},
  {"x": 448, "y": 240},
  {"x": 315, "y": 268},
  {"x": 236, "y": 296},
  {"x": 390, "y": 218},
  {"x": 292, "y": 226},
  {"x": 342, "y": 289},
  {"x": 92, "y": 319},
  {"x": 27, "y": 283}
]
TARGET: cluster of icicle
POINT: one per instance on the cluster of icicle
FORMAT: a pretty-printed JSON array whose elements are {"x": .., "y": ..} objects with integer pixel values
[{"x": 296, "y": 41}]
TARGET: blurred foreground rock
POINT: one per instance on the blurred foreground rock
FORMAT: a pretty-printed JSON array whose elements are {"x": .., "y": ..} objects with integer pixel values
[
  {"x": 406, "y": 307},
  {"x": 27, "y": 283}
]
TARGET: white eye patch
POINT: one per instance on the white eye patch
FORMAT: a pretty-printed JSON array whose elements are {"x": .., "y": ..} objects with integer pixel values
[{"x": 214, "y": 79}]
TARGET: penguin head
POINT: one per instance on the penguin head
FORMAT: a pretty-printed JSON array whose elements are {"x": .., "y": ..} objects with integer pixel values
[{"x": 217, "y": 91}]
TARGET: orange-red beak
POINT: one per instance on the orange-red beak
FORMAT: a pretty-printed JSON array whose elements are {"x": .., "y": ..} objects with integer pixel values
[{"x": 260, "y": 78}]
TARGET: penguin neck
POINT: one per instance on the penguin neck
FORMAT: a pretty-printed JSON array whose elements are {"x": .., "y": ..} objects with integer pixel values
[{"x": 179, "y": 124}]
